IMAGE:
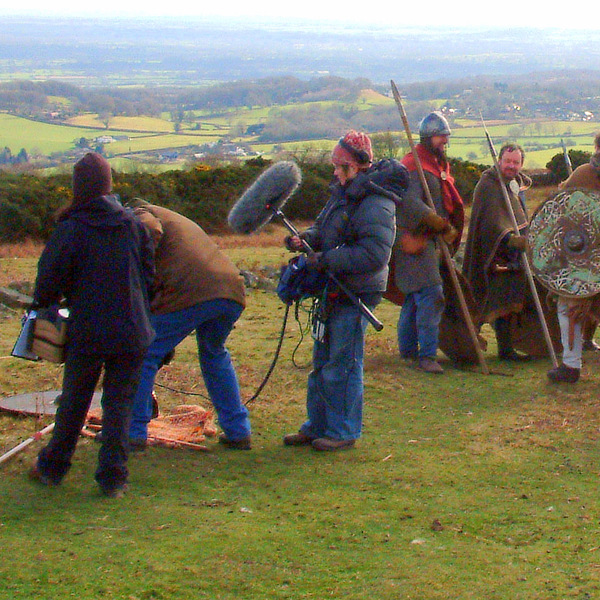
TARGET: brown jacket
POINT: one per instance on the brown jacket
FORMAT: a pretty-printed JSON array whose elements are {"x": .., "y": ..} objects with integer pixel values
[
  {"x": 492, "y": 268},
  {"x": 585, "y": 176},
  {"x": 190, "y": 268}
]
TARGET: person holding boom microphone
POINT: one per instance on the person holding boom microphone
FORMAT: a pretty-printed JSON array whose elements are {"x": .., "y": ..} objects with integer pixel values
[{"x": 352, "y": 238}]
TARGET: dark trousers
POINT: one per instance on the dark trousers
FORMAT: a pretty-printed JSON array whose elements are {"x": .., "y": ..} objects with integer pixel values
[{"x": 81, "y": 375}]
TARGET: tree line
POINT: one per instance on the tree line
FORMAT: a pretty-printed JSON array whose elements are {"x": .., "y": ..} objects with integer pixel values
[{"x": 555, "y": 95}]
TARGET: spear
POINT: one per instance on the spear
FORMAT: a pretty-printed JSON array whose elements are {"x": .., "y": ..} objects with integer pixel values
[
  {"x": 444, "y": 247},
  {"x": 524, "y": 260},
  {"x": 34, "y": 438},
  {"x": 567, "y": 157}
]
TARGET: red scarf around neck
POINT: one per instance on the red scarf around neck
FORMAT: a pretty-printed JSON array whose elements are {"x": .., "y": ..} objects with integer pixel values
[{"x": 450, "y": 195}]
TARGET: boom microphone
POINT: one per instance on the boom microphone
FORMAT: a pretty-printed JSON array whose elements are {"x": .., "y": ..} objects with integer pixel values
[{"x": 267, "y": 195}]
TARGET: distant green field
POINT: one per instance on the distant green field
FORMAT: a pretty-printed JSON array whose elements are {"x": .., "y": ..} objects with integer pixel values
[
  {"x": 157, "y": 142},
  {"x": 541, "y": 140},
  {"x": 124, "y": 123},
  {"x": 17, "y": 133}
]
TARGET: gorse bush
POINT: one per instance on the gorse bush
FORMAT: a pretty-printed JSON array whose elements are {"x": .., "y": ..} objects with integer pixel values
[
  {"x": 558, "y": 165},
  {"x": 28, "y": 203}
]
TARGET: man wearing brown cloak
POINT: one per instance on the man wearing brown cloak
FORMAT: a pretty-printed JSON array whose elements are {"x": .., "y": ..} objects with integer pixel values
[{"x": 492, "y": 261}]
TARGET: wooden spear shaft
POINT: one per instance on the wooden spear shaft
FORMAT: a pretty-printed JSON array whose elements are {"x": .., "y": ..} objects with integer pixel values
[
  {"x": 567, "y": 159},
  {"x": 445, "y": 252},
  {"x": 524, "y": 260}
]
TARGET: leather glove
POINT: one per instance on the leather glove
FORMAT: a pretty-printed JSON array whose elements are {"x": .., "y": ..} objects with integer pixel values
[
  {"x": 434, "y": 223},
  {"x": 450, "y": 234},
  {"x": 518, "y": 242}
]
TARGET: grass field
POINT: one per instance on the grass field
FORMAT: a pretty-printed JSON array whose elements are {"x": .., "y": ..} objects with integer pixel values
[
  {"x": 542, "y": 139},
  {"x": 463, "y": 486}
]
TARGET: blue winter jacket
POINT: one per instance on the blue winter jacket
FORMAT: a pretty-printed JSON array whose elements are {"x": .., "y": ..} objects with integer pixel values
[
  {"x": 100, "y": 260},
  {"x": 355, "y": 233}
]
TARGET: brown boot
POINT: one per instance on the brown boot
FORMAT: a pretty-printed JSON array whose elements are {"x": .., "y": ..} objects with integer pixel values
[
  {"x": 328, "y": 444},
  {"x": 297, "y": 439},
  {"x": 563, "y": 374},
  {"x": 243, "y": 444},
  {"x": 430, "y": 365}
]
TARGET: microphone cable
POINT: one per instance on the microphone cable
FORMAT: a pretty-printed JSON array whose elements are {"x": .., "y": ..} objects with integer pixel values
[{"x": 275, "y": 357}]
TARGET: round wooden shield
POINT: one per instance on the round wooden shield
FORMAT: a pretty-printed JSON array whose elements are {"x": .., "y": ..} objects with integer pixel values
[{"x": 564, "y": 243}]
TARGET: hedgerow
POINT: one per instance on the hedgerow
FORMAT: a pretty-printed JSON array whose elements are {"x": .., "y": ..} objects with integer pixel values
[{"x": 204, "y": 194}]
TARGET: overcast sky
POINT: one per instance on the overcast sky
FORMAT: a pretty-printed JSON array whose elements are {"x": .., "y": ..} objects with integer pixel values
[{"x": 432, "y": 13}]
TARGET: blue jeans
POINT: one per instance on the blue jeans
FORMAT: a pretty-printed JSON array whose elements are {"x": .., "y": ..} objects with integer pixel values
[
  {"x": 334, "y": 398},
  {"x": 212, "y": 320},
  {"x": 419, "y": 322}
]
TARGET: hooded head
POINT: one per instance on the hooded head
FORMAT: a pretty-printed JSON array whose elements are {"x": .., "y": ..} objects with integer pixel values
[
  {"x": 354, "y": 148},
  {"x": 92, "y": 177},
  {"x": 352, "y": 154}
]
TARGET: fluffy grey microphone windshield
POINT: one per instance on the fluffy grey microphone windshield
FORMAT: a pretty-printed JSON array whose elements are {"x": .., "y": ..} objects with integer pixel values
[{"x": 268, "y": 193}]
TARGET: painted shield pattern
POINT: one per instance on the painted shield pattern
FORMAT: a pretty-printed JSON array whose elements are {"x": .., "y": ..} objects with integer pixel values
[{"x": 564, "y": 243}]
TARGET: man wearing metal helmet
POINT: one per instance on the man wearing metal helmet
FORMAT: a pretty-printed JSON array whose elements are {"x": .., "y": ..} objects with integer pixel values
[{"x": 416, "y": 257}]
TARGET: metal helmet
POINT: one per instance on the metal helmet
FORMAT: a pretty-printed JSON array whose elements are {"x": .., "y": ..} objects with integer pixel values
[{"x": 434, "y": 124}]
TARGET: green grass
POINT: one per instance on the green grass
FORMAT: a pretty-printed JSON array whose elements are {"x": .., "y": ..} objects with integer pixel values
[
  {"x": 463, "y": 486},
  {"x": 124, "y": 123},
  {"x": 146, "y": 134},
  {"x": 17, "y": 133}
]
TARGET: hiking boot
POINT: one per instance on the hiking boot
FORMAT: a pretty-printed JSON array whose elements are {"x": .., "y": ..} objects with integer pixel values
[
  {"x": 297, "y": 439},
  {"x": 36, "y": 475},
  {"x": 514, "y": 355},
  {"x": 590, "y": 346},
  {"x": 563, "y": 374},
  {"x": 241, "y": 444},
  {"x": 430, "y": 365},
  {"x": 328, "y": 444}
]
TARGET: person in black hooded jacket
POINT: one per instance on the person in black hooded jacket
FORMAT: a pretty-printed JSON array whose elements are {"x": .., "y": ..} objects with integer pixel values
[{"x": 99, "y": 261}]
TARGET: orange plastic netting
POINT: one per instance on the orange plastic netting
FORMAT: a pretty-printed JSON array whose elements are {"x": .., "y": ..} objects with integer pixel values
[{"x": 186, "y": 425}]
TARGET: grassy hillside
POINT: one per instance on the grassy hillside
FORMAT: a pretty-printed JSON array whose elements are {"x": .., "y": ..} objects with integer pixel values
[
  {"x": 541, "y": 139},
  {"x": 463, "y": 486}
]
